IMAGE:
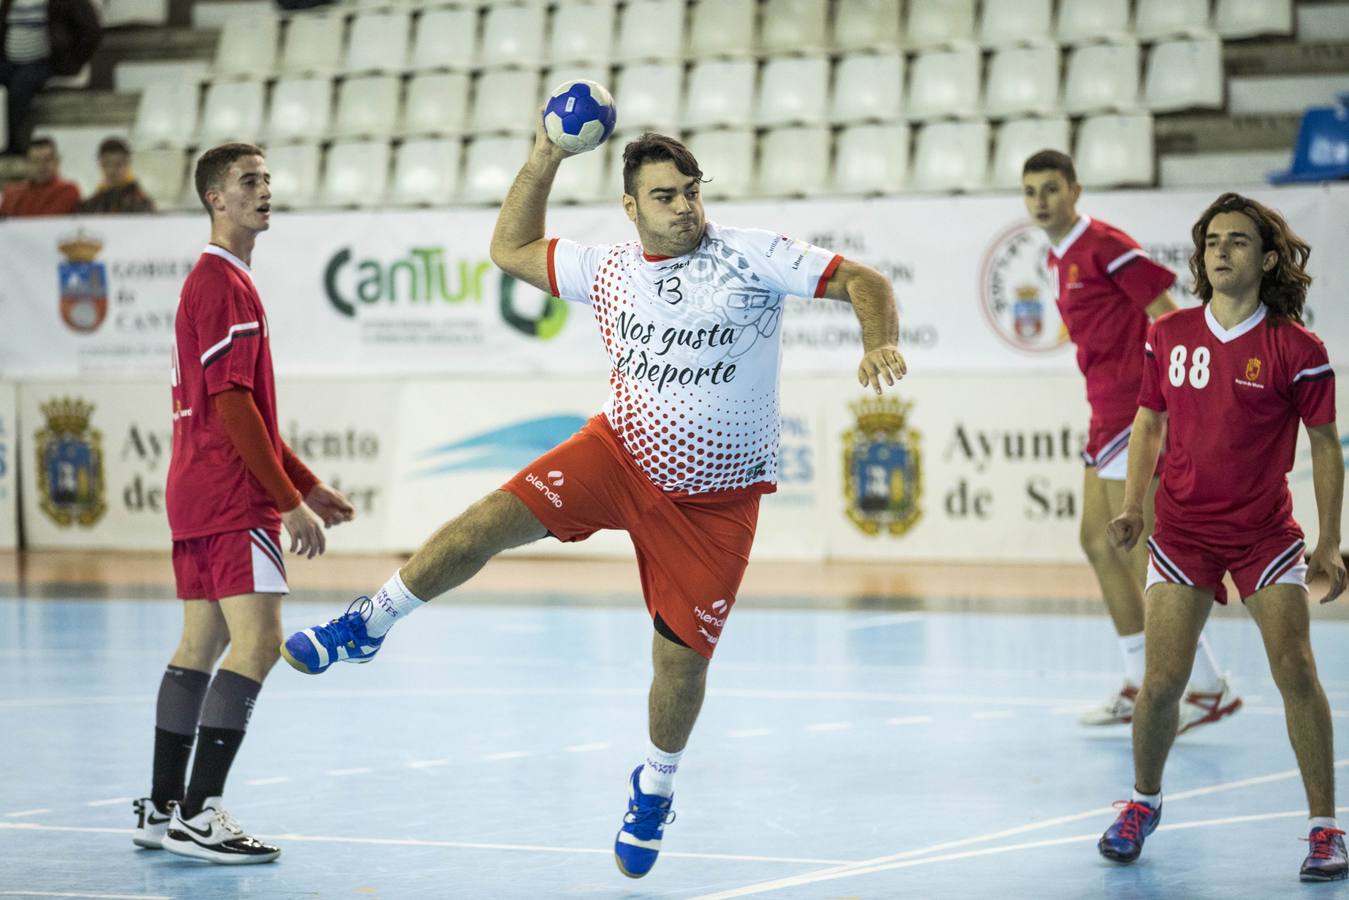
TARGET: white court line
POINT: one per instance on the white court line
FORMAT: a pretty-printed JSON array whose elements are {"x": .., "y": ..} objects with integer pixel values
[
  {"x": 506, "y": 754},
  {"x": 450, "y": 845},
  {"x": 275, "y": 779},
  {"x": 897, "y": 860},
  {"x": 26, "y": 812},
  {"x": 426, "y": 763},
  {"x": 993, "y": 714},
  {"x": 355, "y": 770},
  {"x": 587, "y": 748},
  {"x": 909, "y": 720},
  {"x": 71, "y": 894},
  {"x": 902, "y": 618},
  {"x": 821, "y": 727},
  {"x": 113, "y": 802}
]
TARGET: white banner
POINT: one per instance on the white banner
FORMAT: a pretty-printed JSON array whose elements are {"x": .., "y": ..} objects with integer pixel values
[
  {"x": 9, "y": 459},
  {"x": 414, "y": 293}
]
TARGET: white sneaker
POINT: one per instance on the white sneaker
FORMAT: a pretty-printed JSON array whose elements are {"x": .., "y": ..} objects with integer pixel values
[
  {"x": 151, "y": 823},
  {"x": 1205, "y": 707},
  {"x": 214, "y": 836},
  {"x": 1118, "y": 710}
]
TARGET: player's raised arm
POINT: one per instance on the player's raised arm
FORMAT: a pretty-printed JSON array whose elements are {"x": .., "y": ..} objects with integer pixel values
[
  {"x": 873, "y": 302},
  {"x": 1328, "y": 480},
  {"x": 519, "y": 247}
]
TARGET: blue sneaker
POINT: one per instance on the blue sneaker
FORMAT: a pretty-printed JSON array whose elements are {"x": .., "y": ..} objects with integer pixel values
[
  {"x": 1123, "y": 841},
  {"x": 638, "y": 841},
  {"x": 1326, "y": 861},
  {"x": 343, "y": 639}
]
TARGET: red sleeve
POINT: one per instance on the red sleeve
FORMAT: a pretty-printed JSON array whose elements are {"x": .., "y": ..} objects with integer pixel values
[
  {"x": 1313, "y": 385},
  {"x": 827, "y": 274},
  {"x": 1131, "y": 270},
  {"x": 242, "y": 422},
  {"x": 67, "y": 201},
  {"x": 298, "y": 473},
  {"x": 229, "y": 330},
  {"x": 1150, "y": 393}
]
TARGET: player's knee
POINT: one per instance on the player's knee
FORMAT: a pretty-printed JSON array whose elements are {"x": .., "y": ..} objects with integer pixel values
[
  {"x": 1164, "y": 685},
  {"x": 200, "y": 653},
  {"x": 1095, "y": 544},
  {"x": 1294, "y": 671}
]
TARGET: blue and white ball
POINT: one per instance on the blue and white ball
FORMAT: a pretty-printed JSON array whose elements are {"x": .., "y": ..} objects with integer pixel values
[{"x": 579, "y": 115}]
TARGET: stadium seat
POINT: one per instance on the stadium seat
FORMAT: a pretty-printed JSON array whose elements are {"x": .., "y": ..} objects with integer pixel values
[
  {"x": 215, "y": 14},
  {"x": 866, "y": 25},
  {"x": 649, "y": 94},
  {"x": 951, "y": 156},
  {"x": 355, "y": 173},
  {"x": 939, "y": 23},
  {"x": 1251, "y": 18},
  {"x": 1157, "y": 19},
  {"x": 944, "y": 84},
  {"x": 613, "y": 182},
  {"x": 436, "y": 103},
  {"x": 723, "y": 28},
  {"x": 1101, "y": 77},
  {"x": 232, "y": 111},
  {"x": 582, "y": 33},
  {"x": 491, "y": 166},
  {"x": 1185, "y": 74},
  {"x": 1322, "y": 149},
  {"x": 871, "y": 159},
  {"x": 651, "y": 29},
  {"x": 580, "y": 178},
  {"x": 793, "y": 90},
  {"x": 868, "y": 87},
  {"x": 300, "y": 109},
  {"x": 4, "y": 116},
  {"x": 166, "y": 115},
  {"x": 1022, "y": 81},
  {"x": 425, "y": 172},
  {"x": 134, "y": 76},
  {"x": 512, "y": 36},
  {"x": 117, "y": 13},
  {"x": 505, "y": 100},
  {"x": 1115, "y": 151},
  {"x": 1085, "y": 21},
  {"x": 794, "y": 26},
  {"x": 793, "y": 162},
  {"x": 295, "y": 175},
  {"x": 379, "y": 42},
  {"x": 161, "y": 173},
  {"x": 445, "y": 39},
  {"x": 727, "y": 159},
  {"x": 1006, "y": 23},
  {"x": 247, "y": 47},
  {"x": 720, "y": 92},
  {"x": 367, "y": 106},
  {"x": 1016, "y": 140},
  {"x": 313, "y": 44}
]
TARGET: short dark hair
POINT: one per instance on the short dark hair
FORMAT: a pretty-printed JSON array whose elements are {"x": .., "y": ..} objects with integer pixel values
[
  {"x": 1283, "y": 288},
  {"x": 1050, "y": 161},
  {"x": 114, "y": 145},
  {"x": 216, "y": 162},
  {"x": 653, "y": 147},
  {"x": 43, "y": 141}
]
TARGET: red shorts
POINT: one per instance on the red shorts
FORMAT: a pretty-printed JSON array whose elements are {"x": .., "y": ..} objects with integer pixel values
[
  {"x": 1106, "y": 440},
  {"x": 691, "y": 550},
  {"x": 1276, "y": 557},
  {"x": 229, "y": 564}
]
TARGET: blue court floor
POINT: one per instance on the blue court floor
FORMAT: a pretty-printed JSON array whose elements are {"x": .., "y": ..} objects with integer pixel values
[{"x": 918, "y": 752}]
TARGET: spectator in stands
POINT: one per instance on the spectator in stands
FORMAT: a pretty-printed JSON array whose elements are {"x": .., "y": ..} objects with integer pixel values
[
  {"x": 44, "y": 192},
  {"x": 119, "y": 192},
  {"x": 39, "y": 39}
]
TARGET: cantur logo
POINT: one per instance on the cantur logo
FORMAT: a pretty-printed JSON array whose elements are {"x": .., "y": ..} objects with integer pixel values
[{"x": 425, "y": 276}]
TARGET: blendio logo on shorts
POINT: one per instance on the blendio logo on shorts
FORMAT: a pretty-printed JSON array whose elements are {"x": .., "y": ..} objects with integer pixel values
[{"x": 549, "y": 493}]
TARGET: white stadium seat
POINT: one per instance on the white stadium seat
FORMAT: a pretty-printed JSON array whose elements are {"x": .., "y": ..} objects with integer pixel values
[
  {"x": 505, "y": 100},
  {"x": 794, "y": 26},
  {"x": 313, "y": 44},
  {"x": 1156, "y": 19},
  {"x": 939, "y": 23},
  {"x": 722, "y": 28},
  {"x": 1085, "y": 21},
  {"x": 650, "y": 94},
  {"x": 161, "y": 173},
  {"x": 951, "y": 156},
  {"x": 793, "y": 162},
  {"x": 445, "y": 39},
  {"x": 232, "y": 111},
  {"x": 355, "y": 173},
  {"x": 944, "y": 84},
  {"x": 651, "y": 29},
  {"x": 166, "y": 115},
  {"x": 868, "y": 87},
  {"x": 1016, "y": 140},
  {"x": 1184, "y": 75},
  {"x": 247, "y": 47},
  {"x": 1008, "y": 22},
  {"x": 871, "y": 159},
  {"x": 580, "y": 178},
  {"x": 582, "y": 33},
  {"x": 1101, "y": 77},
  {"x": 720, "y": 92},
  {"x": 425, "y": 172},
  {"x": 617, "y": 141},
  {"x": 1115, "y": 151},
  {"x": 1250, "y": 18},
  {"x": 866, "y": 25},
  {"x": 491, "y": 166},
  {"x": 368, "y": 106},
  {"x": 793, "y": 90},
  {"x": 512, "y": 36},
  {"x": 727, "y": 158},
  {"x": 300, "y": 109},
  {"x": 135, "y": 12},
  {"x": 295, "y": 175},
  {"x": 1021, "y": 81},
  {"x": 379, "y": 42},
  {"x": 436, "y": 103}
]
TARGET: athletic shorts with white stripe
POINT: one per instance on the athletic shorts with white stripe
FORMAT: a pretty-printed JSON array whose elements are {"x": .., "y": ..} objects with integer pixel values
[
  {"x": 1276, "y": 557},
  {"x": 230, "y": 564}
]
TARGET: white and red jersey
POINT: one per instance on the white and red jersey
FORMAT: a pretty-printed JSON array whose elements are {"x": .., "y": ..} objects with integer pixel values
[
  {"x": 221, "y": 343},
  {"x": 1233, "y": 399},
  {"x": 1105, "y": 282},
  {"x": 695, "y": 348}
]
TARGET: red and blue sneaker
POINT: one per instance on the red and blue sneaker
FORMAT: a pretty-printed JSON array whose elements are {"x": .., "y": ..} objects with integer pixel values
[
  {"x": 638, "y": 841},
  {"x": 1123, "y": 841},
  {"x": 1326, "y": 861}
]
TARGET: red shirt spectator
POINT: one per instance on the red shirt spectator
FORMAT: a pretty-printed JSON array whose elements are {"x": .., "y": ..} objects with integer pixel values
[{"x": 44, "y": 192}]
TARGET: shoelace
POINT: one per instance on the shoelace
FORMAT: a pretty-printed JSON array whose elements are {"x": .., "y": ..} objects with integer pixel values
[
  {"x": 227, "y": 822},
  {"x": 1323, "y": 843},
  {"x": 648, "y": 819},
  {"x": 332, "y": 632},
  {"x": 1132, "y": 818}
]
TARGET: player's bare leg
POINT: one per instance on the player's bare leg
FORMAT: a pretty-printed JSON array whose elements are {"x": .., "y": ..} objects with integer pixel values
[
  {"x": 205, "y": 636},
  {"x": 254, "y": 622},
  {"x": 1119, "y": 575},
  {"x": 678, "y": 683},
  {"x": 1175, "y": 616}
]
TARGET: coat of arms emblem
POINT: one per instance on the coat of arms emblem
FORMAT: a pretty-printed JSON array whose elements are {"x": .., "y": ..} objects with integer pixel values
[
  {"x": 882, "y": 468},
  {"x": 70, "y": 480}
]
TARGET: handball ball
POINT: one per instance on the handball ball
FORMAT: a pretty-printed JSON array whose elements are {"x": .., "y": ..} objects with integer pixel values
[{"x": 579, "y": 115}]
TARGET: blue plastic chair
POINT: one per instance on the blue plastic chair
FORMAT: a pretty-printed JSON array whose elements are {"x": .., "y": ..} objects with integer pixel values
[{"x": 1322, "y": 150}]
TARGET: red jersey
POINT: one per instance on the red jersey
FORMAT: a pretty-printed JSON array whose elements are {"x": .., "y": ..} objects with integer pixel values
[
  {"x": 1105, "y": 282},
  {"x": 1233, "y": 399},
  {"x": 221, "y": 343}
]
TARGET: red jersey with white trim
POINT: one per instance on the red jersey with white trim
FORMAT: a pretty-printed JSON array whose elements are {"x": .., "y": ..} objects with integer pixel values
[
  {"x": 221, "y": 343},
  {"x": 1233, "y": 399},
  {"x": 1104, "y": 283},
  {"x": 695, "y": 348}
]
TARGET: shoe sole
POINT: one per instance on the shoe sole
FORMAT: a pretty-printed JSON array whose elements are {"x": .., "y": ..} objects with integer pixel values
[
  {"x": 297, "y": 665},
  {"x": 618, "y": 862},
  {"x": 1224, "y": 712},
  {"x": 194, "y": 851},
  {"x": 1307, "y": 876},
  {"x": 148, "y": 843},
  {"x": 1115, "y": 857}
]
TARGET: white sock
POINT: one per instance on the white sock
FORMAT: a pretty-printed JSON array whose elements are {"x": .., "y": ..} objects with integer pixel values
[
  {"x": 1153, "y": 800},
  {"x": 658, "y": 774},
  {"x": 393, "y": 601},
  {"x": 1131, "y": 645},
  {"x": 1322, "y": 822},
  {"x": 1206, "y": 677}
]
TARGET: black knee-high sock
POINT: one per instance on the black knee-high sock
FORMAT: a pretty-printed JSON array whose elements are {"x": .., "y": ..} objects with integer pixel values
[
  {"x": 224, "y": 718},
  {"x": 181, "y": 692}
]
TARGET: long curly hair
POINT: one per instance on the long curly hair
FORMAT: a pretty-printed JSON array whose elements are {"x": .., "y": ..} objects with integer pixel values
[{"x": 1283, "y": 288}]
